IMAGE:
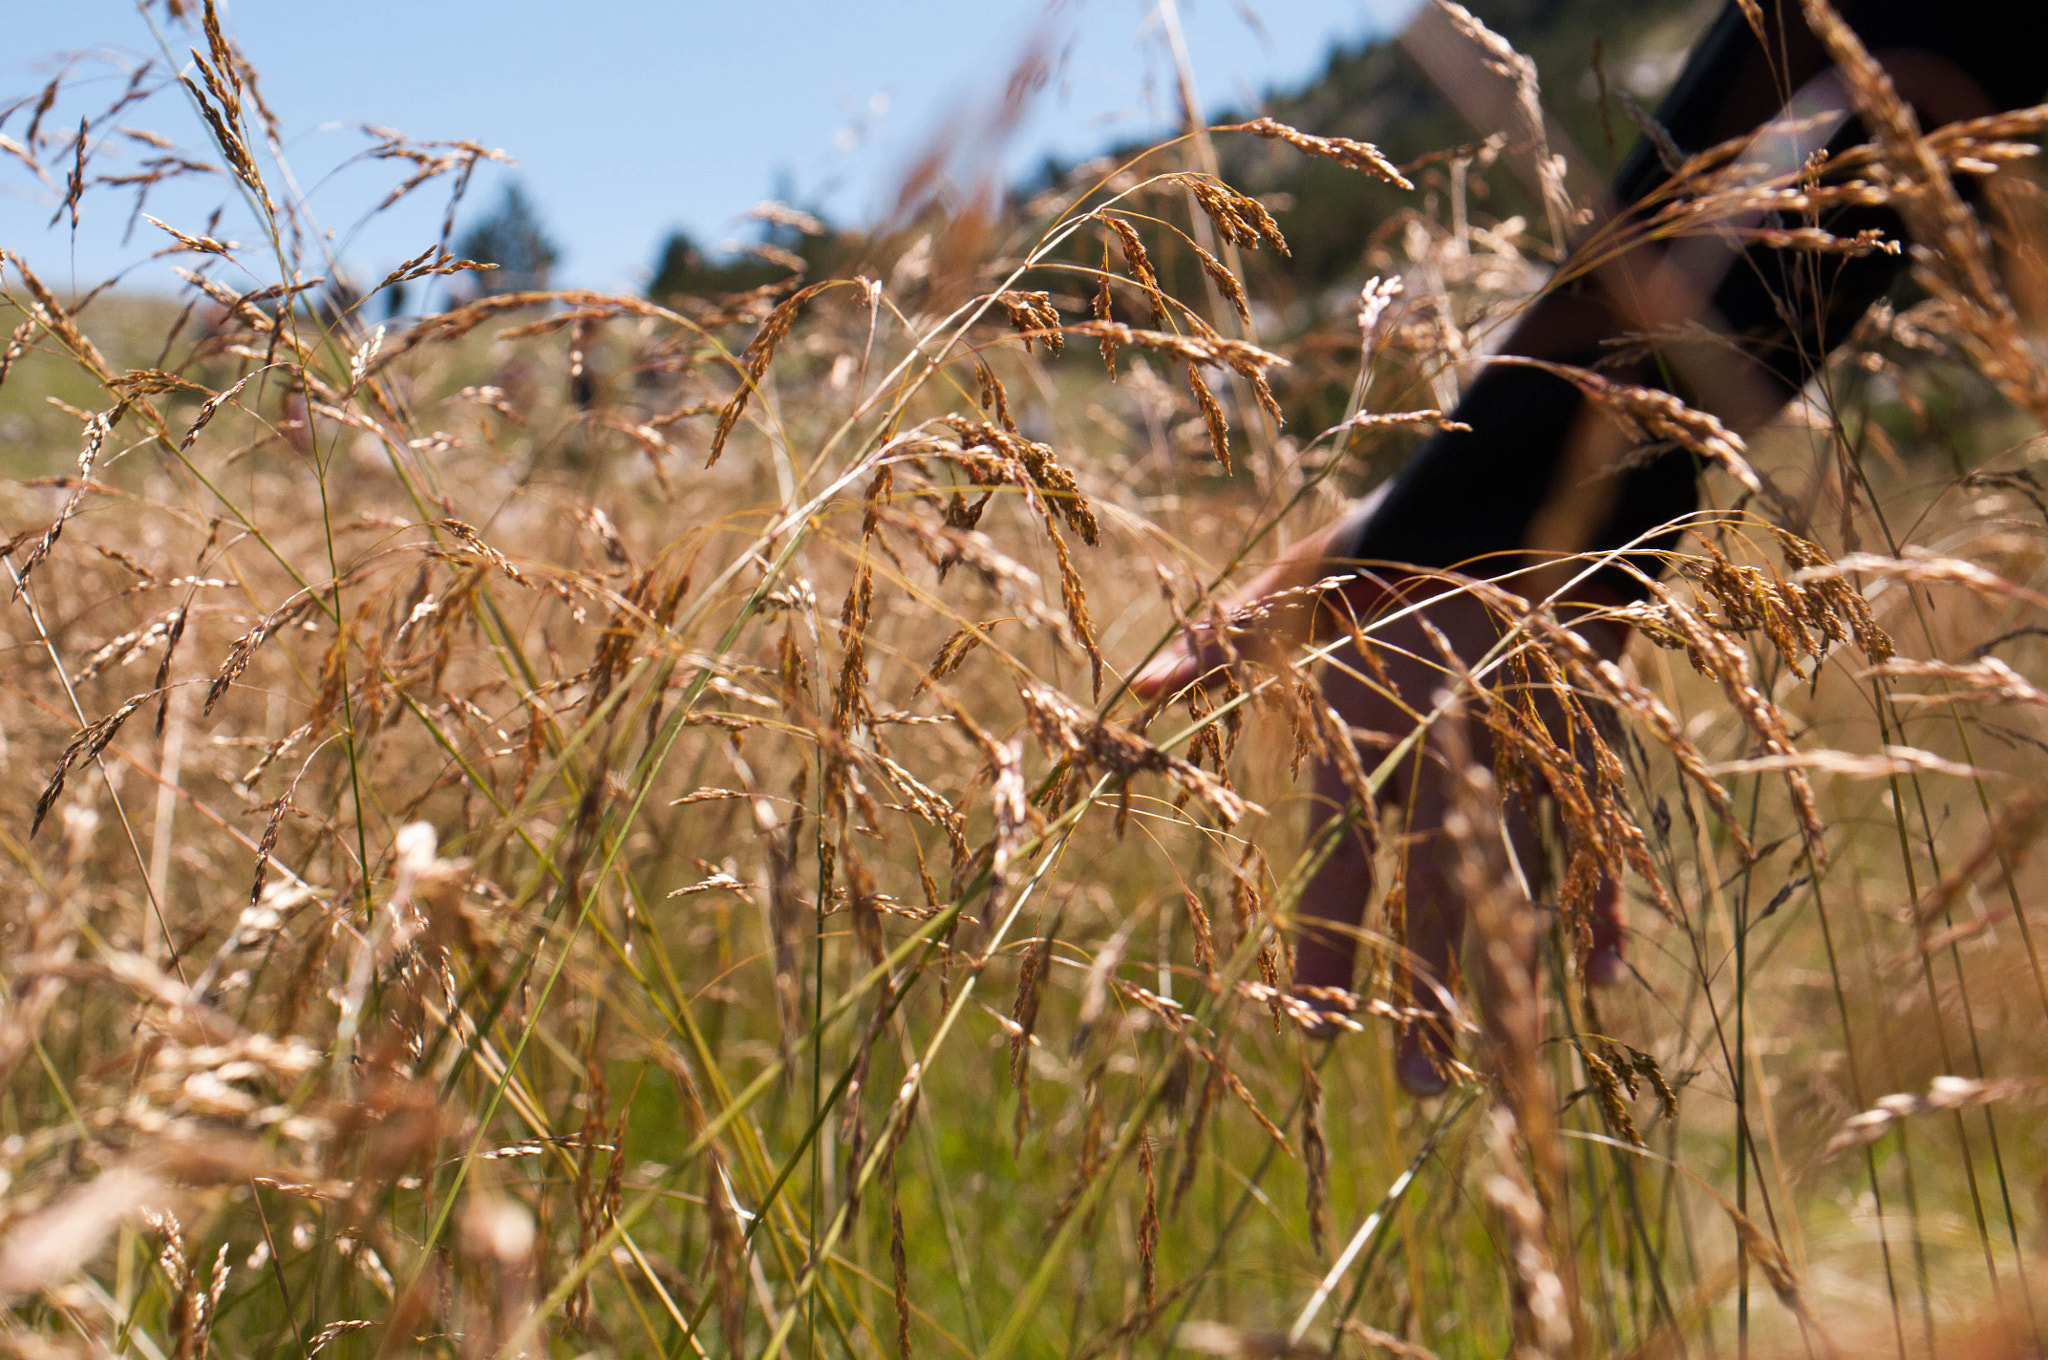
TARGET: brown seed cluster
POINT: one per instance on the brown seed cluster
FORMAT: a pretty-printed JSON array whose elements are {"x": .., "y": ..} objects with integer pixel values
[{"x": 1363, "y": 157}]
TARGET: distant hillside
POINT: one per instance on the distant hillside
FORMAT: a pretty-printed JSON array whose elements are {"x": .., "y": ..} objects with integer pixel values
[
  {"x": 1373, "y": 91},
  {"x": 1376, "y": 92}
]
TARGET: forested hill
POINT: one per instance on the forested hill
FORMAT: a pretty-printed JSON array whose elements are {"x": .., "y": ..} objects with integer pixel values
[
  {"x": 1372, "y": 90},
  {"x": 1376, "y": 91}
]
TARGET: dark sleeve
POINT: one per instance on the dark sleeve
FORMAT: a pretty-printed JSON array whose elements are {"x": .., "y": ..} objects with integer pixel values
[{"x": 1467, "y": 500}]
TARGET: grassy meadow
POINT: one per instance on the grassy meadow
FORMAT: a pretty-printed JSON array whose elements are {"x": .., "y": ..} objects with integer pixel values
[{"x": 576, "y": 824}]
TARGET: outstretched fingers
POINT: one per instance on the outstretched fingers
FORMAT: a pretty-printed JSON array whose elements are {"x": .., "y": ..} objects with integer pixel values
[{"x": 1270, "y": 615}]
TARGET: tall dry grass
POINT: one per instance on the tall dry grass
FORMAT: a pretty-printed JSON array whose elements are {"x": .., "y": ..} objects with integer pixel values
[{"x": 678, "y": 872}]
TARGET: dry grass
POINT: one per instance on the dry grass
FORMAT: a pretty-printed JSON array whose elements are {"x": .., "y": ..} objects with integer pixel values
[{"x": 680, "y": 874}]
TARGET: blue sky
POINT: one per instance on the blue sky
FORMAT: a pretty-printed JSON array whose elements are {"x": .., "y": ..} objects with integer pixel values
[{"x": 630, "y": 119}]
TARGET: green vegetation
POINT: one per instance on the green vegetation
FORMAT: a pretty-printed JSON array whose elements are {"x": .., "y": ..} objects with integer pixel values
[
  {"x": 588, "y": 825},
  {"x": 510, "y": 237}
]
